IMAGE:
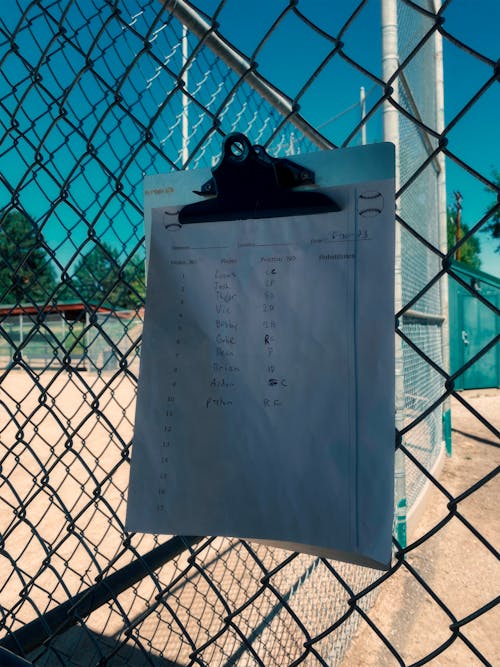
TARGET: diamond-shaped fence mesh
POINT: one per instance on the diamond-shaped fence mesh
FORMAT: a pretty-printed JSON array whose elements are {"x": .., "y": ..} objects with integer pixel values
[{"x": 95, "y": 94}]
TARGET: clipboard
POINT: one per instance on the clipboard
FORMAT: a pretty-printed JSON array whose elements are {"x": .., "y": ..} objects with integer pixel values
[
  {"x": 265, "y": 405},
  {"x": 249, "y": 183}
]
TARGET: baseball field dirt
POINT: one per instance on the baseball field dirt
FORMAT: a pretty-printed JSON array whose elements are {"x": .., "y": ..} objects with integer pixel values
[{"x": 454, "y": 563}]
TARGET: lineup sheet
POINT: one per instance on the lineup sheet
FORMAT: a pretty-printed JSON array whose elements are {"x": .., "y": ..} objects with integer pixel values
[{"x": 265, "y": 405}]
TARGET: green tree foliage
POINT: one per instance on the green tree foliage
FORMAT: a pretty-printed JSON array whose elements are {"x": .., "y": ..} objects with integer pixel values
[
  {"x": 99, "y": 277},
  {"x": 26, "y": 271},
  {"x": 492, "y": 226},
  {"x": 470, "y": 251}
]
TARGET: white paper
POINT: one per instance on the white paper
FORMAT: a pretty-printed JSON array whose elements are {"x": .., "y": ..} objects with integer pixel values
[{"x": 266, "y": 403}]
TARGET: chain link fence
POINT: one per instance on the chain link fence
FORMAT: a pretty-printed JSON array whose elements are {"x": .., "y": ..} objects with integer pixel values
[{"x": 94, "y": 95}]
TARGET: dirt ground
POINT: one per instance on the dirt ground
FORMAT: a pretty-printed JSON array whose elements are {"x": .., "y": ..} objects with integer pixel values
[
  {"x": 453, "y": 563},
  {"x": 62, "y": 454}
]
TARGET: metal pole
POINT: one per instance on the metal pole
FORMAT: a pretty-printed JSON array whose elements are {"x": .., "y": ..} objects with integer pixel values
[
  {"x": 443, "y": 226},
  {"x": 362, "y": 104},
  {"x": 185, "y": 99},
  {"x": 390, "y": 63},
  {"x": 458, "y": 222}
]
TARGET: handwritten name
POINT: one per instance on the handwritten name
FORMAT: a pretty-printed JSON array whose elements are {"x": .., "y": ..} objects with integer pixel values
[
  {"x": 224, "y": 296},
  {"x": 222, "y": 383},
  {"x": 224, "y": 368},
  {"x": 221, "y": 339},
  {"x": 224, "y": 275},
  {"x": 226, "y": 324},
  {"x": 223, "y": 352},
  {"x": 217, "y": 403}
]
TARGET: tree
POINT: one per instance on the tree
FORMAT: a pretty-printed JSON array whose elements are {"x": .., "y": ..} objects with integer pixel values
[
  {"x": 100, "y": 278},
  {"x": 493, "y": 224},
  {"x": 26, "y": 270},
  {"x": 470, "y": 251}
]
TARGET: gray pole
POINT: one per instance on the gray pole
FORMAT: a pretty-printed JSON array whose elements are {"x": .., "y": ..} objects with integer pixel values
[
  {"x": 362, "y": 104},
  {"x": 390, "y": 63},
  {"x": 443, "y": 230}
]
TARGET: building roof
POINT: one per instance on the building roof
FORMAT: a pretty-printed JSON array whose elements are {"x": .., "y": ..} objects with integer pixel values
[
  {"x": 475, "y": 274},
  {"x": 71, "y": 309}
]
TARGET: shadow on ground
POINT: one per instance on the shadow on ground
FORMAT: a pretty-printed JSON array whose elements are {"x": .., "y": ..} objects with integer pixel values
[{"x": 80, "y": 647}]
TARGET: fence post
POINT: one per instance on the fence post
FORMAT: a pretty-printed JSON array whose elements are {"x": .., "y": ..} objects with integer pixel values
[
  {"x": 443, "y": 232},
  {"x": 21, "y": 331},
  {"x": 390, "y": 63}
]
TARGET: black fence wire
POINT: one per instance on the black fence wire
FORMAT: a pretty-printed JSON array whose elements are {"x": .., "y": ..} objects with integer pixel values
[{"x": 95, "y": 94}]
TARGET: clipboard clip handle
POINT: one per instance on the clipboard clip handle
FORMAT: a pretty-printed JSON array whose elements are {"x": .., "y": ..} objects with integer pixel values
[{"x": 248, "y": 183}]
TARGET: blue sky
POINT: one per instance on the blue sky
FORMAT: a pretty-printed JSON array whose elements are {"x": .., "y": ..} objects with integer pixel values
[
  {"x": 107, "y": 190},
  {"x": 476, "y": 139},
  {"x": 293, "y": 52}
]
